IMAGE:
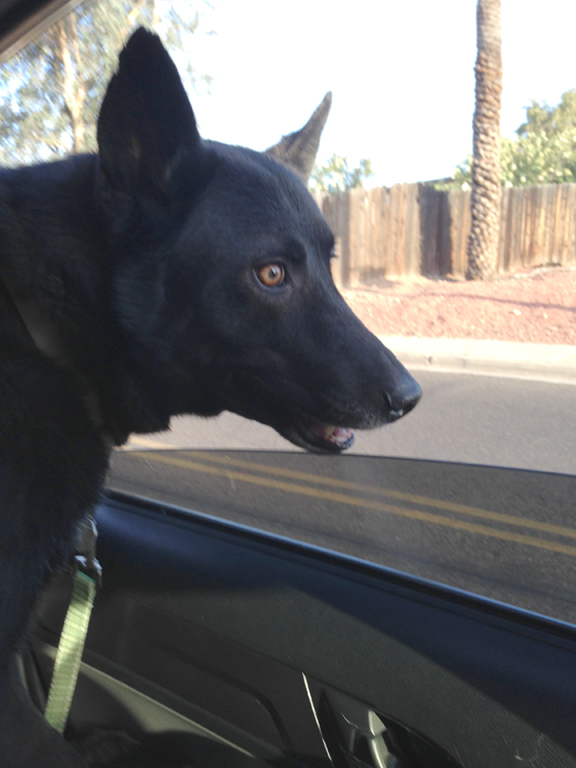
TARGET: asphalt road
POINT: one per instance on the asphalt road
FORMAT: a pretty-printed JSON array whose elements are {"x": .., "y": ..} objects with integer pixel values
[{"x": 504, "y": 534}]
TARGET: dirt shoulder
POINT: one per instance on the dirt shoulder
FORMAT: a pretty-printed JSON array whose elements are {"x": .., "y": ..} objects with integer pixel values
[{"x": 537, "y": 306}]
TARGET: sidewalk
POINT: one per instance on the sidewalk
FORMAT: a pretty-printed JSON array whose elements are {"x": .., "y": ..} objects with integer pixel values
[{"x": 541, "y": 362}]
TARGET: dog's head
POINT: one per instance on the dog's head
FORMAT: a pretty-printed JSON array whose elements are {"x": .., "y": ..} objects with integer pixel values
[{"x": 223, "y": 282}]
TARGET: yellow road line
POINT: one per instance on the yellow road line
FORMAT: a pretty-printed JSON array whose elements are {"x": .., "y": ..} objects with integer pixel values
[
  {"x": 413, "y": 514},
  {"x": 449, "y": 506},
  {"x": 145, "y": 442}
]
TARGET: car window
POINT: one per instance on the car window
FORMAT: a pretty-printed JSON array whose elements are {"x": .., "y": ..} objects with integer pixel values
[
  {"x": 475, "y": 487},
  {"x": 504, "y": 534}
]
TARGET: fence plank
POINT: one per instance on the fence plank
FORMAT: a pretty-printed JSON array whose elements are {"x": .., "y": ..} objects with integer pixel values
[{"x": 412, "y": 229}]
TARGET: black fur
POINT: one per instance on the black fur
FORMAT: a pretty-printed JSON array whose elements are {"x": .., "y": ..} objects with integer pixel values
[{"x": 129, "y": 293}]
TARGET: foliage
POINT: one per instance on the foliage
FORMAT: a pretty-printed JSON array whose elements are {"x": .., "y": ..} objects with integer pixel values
[
  {"x": 536, "y": 158},
  {"x": 51, "y": 90},
  {"x": 335, "y": 176},
  {"x": 542, "y": 118},
  {"x": 543, "y": 153}
]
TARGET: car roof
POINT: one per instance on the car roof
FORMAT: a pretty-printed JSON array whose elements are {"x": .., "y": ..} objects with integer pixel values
[{"x": 21, "y": 20}]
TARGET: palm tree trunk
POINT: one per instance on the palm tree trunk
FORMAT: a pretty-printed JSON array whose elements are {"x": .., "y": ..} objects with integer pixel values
[{"x": 486, "y": 192}]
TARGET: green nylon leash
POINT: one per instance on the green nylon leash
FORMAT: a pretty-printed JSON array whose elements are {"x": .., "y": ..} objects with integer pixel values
[
  {"x": 87, "y": 575},
  {"x": 69, "y": 655}
]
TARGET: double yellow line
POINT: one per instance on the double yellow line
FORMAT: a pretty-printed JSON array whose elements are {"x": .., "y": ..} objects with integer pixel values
[{"x": 224, "y": 466}]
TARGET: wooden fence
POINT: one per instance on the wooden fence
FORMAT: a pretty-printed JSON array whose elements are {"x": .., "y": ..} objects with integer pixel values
[{"x": 413, "y": 229}]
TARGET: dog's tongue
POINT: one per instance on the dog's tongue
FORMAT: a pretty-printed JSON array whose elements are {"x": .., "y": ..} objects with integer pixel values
[{"x": 338, "y": 436}]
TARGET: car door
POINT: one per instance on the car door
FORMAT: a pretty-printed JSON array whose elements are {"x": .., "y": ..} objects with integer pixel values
[
  {"x": 225, "y": 634},
  {"x": 232, "y": 638}
]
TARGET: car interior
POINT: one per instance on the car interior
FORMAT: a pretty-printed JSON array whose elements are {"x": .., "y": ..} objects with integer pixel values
[{"x": 217, "y": 641}]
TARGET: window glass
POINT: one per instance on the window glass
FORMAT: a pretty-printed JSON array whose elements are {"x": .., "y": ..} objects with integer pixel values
[
  {"x": 53, "y": 87},
  {"x": 475, "y": 487},
  {"x": 505, "y": 534}
]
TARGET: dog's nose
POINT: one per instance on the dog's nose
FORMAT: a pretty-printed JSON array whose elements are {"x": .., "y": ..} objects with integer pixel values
[{"x": 404, "y": 397}]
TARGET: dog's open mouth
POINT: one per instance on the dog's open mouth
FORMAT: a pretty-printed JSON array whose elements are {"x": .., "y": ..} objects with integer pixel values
[
  {"x": 320, "y": 438},
  {"x": 338, "y": 438}
]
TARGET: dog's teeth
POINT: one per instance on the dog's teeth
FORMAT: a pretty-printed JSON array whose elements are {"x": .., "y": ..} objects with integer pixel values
[{"x": 337, "y": 436}]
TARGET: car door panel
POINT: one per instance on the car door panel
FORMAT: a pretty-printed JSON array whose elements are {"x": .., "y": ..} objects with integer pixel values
[{"x": 249, "y": 635}]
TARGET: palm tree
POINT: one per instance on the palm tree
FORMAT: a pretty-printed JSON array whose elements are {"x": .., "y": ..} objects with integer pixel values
[{"x": 485, "y": 199}]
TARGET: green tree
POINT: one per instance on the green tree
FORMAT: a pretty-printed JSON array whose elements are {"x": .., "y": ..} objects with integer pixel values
[
  {"x": 53, "y": 88},
  {"x": 336, "y": 176},
  {"x": 543, "y": 153},
  {"x": 536, "y": 158},
  {"x": 541, "y": 118}
]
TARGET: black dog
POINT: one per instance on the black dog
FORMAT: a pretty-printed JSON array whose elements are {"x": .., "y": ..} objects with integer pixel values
[{"x": 166, "y": 275}]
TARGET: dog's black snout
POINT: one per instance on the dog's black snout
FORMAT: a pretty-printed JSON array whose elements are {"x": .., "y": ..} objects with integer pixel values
[{"x": 404, "y": 397}]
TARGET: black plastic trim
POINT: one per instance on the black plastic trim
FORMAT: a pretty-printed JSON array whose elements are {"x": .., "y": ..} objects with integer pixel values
[{"x": 457, "y": 598}]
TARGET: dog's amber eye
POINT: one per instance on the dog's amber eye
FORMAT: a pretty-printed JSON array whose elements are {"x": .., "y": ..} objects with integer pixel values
[{"x": 271, "y": 275}]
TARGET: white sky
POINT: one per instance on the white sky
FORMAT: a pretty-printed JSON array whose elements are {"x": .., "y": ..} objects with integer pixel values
[{"x": 401, "y": 71}]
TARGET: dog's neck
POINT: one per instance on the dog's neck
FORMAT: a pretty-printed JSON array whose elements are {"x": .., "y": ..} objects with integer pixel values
[{"x": 47, "y": 339}]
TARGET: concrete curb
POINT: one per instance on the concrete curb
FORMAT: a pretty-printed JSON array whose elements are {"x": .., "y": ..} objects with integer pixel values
[{"x": 540, "y": 362}]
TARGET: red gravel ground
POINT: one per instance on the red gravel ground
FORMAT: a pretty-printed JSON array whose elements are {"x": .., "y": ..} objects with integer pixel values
[{"x": 536, "y": 306}]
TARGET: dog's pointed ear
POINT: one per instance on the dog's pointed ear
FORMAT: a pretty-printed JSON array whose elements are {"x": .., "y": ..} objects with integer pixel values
[
  {"x": 298, "y": 150},
  {"x": 146, "y": 126}
]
